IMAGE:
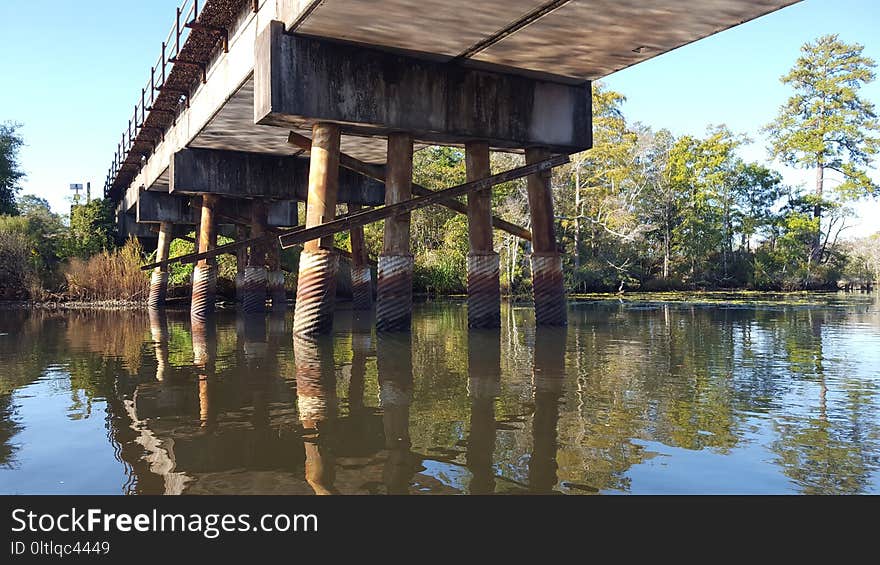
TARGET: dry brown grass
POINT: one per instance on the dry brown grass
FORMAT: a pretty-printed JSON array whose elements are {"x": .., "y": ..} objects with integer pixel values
[{"x": 109, "y": 275}]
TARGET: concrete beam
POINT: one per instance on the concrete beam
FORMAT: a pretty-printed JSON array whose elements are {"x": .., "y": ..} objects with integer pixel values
[
  {"x": 255, "y": 175},
  {"x": 127, "y": 226},
  {"x": 300, "y": 80},
  {"x": 155, "y": 207}
]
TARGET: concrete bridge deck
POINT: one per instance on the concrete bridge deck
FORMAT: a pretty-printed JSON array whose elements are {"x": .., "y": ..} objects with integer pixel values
[
  {"x": 565, "y": 41},
  {"x": 236, "y": 77}
]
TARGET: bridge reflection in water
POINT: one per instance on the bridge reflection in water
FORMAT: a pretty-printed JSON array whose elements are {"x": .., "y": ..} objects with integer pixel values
[
  {"x": 247, "y": 420},
  {"x": 654, "y": 397}
]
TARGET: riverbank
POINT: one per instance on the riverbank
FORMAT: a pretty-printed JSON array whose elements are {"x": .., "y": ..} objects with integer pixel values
[
  {"x": 73, "y": 305},
  {"x": 753, "y": 297},
  {"x": 723, "y": 296}
]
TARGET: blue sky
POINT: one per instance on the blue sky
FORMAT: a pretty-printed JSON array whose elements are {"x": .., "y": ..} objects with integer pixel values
[{"x": 73, "y": 71}]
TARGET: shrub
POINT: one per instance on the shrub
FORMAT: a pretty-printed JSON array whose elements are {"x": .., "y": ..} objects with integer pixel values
[
  {"x": 109, "y": 275},
  {"x": 92, "y": 229},
  {"x": 18, "y": 273},
  {"x": 439, "y": 273}
]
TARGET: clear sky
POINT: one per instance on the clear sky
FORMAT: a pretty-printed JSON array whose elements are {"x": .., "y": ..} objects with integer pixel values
[{"x": 72, "y": 72}]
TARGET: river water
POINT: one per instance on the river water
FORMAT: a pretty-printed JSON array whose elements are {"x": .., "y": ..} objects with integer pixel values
[{"x": 704, "y": 395}]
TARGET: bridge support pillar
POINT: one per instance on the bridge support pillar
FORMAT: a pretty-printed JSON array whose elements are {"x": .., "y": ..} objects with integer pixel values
[
  {"x": 483, "y": 267},
  {"x": 546, "y": 262},
  {"x": 205, "y": 274},
  {"x": 275, "y": 280},
  {"x": 361, "y": 276},
  {"x": 318, "y": 263},
  {"x": 394, "y": 296},
  {"x": 255, "y": 275},
  {"x": 241, "y": 257},
  {"x": 159, "y": 277}
]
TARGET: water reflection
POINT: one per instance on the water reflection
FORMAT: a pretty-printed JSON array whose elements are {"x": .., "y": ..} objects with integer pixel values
[
  {"x": 395, "y": 370},
  {"x": 548, "y": 376},
  {"x": 632, "y": 397},
  {"x": 484, "y": 388}
]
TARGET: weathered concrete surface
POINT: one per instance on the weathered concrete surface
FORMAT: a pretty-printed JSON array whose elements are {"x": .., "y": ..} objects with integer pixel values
[
  {"x": 301, "y": 80},
  {"x": 594, "y": 38},
  {"x": 127, "y": 225},
  {"x": 580, "y": 39},
  {"x": 395, "y": 273},
  {"x": 318, "y": 263},
  {"x": 483, "y": 265},
  {"x": 253, "y": 175},
  {"x": 360, "y": 273},
  {"x": 155, "y": 207},
  {"x": 159, "y": 277},
  {"x": 548, "y": 285},
  {"x": 233, "y": 128},
  {"x": 450, "y": 29}
]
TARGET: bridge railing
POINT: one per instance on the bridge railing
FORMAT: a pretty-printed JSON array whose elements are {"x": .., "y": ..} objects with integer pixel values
[{"x": 185, "y": 20}]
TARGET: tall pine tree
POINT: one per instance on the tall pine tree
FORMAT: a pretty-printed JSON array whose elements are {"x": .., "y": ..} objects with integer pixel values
[{"x": 826, "y": 125}]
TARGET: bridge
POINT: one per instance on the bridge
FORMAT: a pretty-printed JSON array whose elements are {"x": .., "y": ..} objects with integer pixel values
[{"x": 254, "y": 106}]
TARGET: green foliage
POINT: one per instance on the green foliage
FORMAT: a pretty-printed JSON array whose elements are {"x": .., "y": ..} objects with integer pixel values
[
  {"x": 92, "y": 229},
  {"x": 826, "y": 124},
  {"x": 180, "y": 273},
  {"x": 10, "y": 170},
  {"x": 435, "y": 274},
  {"x": 31, "y": 244},
  {"x": 46, "y": 233},
  {"x": 641, "y": 209}
]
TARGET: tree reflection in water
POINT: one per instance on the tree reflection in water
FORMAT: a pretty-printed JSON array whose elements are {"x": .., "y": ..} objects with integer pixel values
[{"x": 632, "y": 397}]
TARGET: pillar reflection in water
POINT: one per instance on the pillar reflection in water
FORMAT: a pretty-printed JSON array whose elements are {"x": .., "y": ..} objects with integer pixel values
[
  {"x": 257, "y": 359},
  {"x": 159, "y": 335},
  {"x": 484, "y": 385},
  {"x": 395, "y": 368},
  {"x": 204, "y": 340},
  {"x": 316, "y": 403},
  {"x": 361, "y": 349},
  {"x": 548, "y": 380}
]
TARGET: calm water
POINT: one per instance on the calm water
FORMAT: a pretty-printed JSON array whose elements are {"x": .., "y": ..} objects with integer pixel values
[{"x": 633, "y": 397}]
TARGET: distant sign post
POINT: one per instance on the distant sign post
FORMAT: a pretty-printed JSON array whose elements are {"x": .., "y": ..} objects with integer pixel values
[{"x": 76, "y": 188}]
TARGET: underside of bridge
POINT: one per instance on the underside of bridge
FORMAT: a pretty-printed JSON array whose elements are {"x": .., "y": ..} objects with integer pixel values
[{"x": 257, "y": 105}]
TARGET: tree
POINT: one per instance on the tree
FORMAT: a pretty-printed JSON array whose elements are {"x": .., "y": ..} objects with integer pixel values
[
  {"x": 701, "y": 173},
  {"x": 826, "y": 125},
  {"x": 10, "y": 173},
  {"x": 598, "y": 197},
  {"x": 92, "y": 228},
  {"x": 757, "y": 190},
  {"x": 46, "y": 233},
  {"x": 661, "y": 204},
  {"x": 864, "y": 259}
]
